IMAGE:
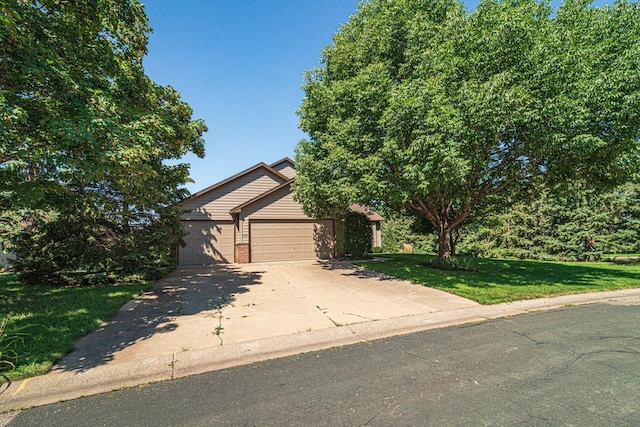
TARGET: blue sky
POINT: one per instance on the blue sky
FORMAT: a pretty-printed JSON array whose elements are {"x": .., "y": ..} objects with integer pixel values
[{"x": 240, "y": 64}]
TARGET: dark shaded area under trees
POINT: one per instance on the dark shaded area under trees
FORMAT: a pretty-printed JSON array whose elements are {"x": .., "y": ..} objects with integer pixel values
[{"x": 86, "y": 192}]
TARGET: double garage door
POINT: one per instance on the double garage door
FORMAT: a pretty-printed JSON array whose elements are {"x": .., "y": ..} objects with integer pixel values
[
  {"x": 290, "y": 240},
  {"x": 210, "y": 242}
]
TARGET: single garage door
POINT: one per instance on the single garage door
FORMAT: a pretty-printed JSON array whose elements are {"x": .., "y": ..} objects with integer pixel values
[
  {"x": 207, "y": 242},
  {"x": 290, "y": 240}
]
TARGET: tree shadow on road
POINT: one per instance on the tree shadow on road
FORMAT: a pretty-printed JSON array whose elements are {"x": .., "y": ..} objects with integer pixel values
[{"x": 188, "y": 290}]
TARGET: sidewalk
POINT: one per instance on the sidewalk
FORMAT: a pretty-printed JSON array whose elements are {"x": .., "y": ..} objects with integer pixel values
[{"x": 202, "y": 319}]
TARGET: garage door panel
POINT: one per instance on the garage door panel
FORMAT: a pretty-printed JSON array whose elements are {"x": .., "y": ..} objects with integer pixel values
[
  {"x": 207, "y": 242},
  {"x": 295, "y": 240}
]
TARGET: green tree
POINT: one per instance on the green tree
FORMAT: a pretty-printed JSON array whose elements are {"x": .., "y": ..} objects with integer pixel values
[
  {"x": 85, "y": 133},
  {"x": 397, "y": 230},
  {"x": 357, "y": 235},
  {"x": 400, "y": 228},
  {"x": 422, "y": 105},
  {"x": 578, "y": 225}
]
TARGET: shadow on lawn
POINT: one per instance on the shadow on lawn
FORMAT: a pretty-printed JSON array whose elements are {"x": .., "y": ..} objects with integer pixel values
[
  {"x": 186, "y": 291},
  {"x": 539, "y": 273},
  {"x": 509, "y": 273}
]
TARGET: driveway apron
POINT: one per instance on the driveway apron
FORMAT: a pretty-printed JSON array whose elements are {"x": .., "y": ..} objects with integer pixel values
[{"x": 198, "y": 307}]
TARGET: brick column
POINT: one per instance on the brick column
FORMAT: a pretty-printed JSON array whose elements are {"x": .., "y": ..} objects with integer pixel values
[{"x": 242, "y": 253}]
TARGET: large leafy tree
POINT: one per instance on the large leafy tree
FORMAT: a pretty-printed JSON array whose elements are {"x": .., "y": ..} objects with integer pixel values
[
  {"x": 422, "y": 105},
  {"x": 85, "y": 134}
]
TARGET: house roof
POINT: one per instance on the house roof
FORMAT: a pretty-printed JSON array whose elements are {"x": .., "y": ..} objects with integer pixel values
[
  {"x": 284, "y": 160},
  {"x": 373, "y": 215},
  {"x": 286, "y": 182},
  {"x": 239, "y": 208},
  {"x": 239, "y": 175}
]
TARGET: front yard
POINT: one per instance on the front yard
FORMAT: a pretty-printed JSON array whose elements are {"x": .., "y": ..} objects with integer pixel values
[
  {"x": 49, "y": 319},
  {"x": 501, "y": 280}
]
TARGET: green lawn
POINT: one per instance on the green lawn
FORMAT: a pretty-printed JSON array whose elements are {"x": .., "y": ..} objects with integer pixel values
[
  {"x": 501, "y": 280},
  {"x": 51, "y": 318}
]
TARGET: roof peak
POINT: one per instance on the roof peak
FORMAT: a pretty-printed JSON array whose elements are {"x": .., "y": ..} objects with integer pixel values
[{"x": 285, "y": 159}]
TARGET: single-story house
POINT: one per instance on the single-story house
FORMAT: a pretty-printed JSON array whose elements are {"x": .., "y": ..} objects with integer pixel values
[{"x": 252, "y": 217}]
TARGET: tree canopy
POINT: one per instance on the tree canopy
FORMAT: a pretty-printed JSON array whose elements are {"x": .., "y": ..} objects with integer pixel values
[
  {"x": 422, "y": 105},
  {"x": 85, "y": 134}
]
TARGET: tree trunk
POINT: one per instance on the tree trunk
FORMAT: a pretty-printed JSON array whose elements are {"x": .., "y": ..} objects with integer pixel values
[
  {"x": 454, "y": 240},
  {"x": 126, "y": 227},
  {"x": 440, "y": 215},
  {"x": 444, "y": 244}
]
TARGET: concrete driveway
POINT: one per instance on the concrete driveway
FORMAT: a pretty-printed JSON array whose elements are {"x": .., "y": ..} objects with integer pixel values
[
  {"x": 200, "y": 319},
  {"x": 198, "y": 307}
]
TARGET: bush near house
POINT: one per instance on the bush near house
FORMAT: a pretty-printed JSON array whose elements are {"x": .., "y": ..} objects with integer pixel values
[
  {"x": 90, "y": 249},
  {"x": 399, "y": 230},
  {"x": 357, "y": 235}
]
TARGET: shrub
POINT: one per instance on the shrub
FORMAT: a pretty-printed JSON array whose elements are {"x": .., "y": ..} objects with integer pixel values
[
  {"x": 400, "y": 229},
  {"x": 91, "y": 249},
  {"x": 357, "y": 235}
]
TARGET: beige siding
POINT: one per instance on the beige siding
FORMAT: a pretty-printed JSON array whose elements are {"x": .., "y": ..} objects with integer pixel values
[
  {"x": 286, "y": 169},
  {"x": 279, "y": 205},
  {"x": 217, "y": 203},
  {"x": 273, "y": 240},
  {"x": 207, "y": 242},
  {"x": 377, "y": 235}
]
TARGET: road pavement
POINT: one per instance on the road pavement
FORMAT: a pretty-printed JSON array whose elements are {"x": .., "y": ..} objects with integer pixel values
[{"x": 570, "y": 366}]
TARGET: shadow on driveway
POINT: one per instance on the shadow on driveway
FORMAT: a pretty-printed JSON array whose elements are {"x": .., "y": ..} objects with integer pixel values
[
  {"x": 188, "y": 290},
  {"x": 352, "y": 270}
]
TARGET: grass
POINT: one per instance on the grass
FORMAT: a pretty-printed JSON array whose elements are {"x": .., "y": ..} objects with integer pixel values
[
  {"x": 501, "y": 280},
  {"x": 52, "y": 318}
]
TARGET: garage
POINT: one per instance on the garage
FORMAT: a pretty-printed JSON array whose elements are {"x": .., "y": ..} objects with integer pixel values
[
  {"x": 253, "y": 217},
  {"x": 273, "y": 240},
  {"x": 208, "y": 242}
]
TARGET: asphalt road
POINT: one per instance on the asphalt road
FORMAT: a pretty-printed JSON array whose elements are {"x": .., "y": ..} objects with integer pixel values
[{"x": 575, "y": 366}]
